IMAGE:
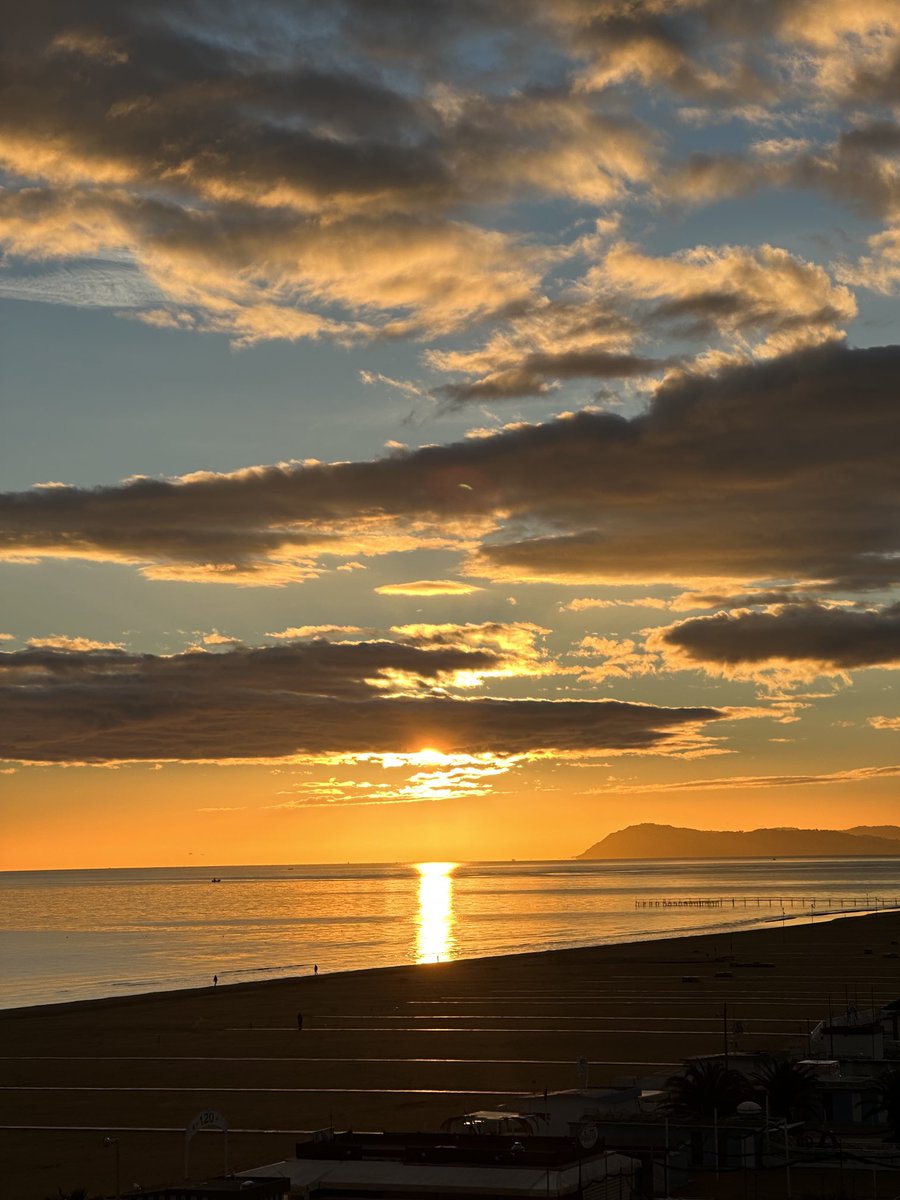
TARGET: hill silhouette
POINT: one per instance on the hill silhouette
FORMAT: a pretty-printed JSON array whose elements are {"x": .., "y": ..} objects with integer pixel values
[
  {"x": 670, "y": 841},
  {"x": 883, "y": 831}
]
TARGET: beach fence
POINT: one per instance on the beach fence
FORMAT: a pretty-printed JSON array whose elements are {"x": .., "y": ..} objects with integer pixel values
[{"x": 805, "y": 903}]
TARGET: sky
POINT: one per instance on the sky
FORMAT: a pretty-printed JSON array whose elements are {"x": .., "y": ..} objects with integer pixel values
[{"x": 445, "y": 429}]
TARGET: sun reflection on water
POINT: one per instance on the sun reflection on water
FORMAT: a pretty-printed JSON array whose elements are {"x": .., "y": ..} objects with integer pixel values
[{"x": 434, "y": 920}]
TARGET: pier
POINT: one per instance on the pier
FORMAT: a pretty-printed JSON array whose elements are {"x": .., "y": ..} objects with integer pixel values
[{"x": 804, "y": 903}]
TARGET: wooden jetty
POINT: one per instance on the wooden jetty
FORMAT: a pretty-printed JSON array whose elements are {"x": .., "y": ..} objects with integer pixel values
[{"x": 807, "y": 903}]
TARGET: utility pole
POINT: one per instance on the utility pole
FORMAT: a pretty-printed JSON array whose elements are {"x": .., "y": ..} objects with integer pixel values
[
  {"x": 111, "y": 1141},
  {"x": 725, "y": 1030}
]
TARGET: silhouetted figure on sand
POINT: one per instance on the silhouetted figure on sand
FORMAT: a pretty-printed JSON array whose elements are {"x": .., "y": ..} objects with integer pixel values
[
  {"x": 315, "y": 968},
  {"x": 215, "y": 981}
]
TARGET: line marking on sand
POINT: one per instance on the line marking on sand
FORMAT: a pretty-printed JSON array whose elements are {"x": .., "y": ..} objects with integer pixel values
[
  {"x": 346, "y": 1091},
  {"x": 133, "y": 1129},
  {"x": 541, "y": 1017},
  {"x": 529, "y": 1062},
  {"x": 488, "y": 1029}
]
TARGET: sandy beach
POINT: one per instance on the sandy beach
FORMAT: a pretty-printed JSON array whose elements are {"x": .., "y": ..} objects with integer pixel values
[{"x": 397, "y": 1048}]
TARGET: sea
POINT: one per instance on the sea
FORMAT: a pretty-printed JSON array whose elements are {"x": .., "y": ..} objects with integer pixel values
[{"x": 76, "y": 935}]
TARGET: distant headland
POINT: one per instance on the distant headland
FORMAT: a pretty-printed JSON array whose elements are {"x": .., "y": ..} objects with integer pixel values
[{"x": 670, "y": 841}]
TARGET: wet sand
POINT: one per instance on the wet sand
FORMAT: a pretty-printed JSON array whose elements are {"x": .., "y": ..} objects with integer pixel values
[{"x": 398, "y": 1048}]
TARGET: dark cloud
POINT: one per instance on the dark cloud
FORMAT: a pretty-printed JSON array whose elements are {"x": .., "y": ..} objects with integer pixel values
[
  {"x": 709, "y": 53},
  {"x": 745, "y": 599},
  {"x": 308, "y": 700},
  {"x": 833, "y": 639},
  {"x": 536, "y": 374},
  {"x": 782, "y": 470},
  {"x": 855, "y": 168}
]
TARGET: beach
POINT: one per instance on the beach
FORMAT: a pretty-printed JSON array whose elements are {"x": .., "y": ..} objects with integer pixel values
[{"x": 399, "y": 1048}]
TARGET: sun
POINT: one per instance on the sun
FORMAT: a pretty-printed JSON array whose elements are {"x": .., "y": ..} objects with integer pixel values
[{"x": 429, "y": 756}]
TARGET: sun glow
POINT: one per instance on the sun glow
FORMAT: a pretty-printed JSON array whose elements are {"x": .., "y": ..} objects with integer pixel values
[
  {"x": 434, "y": 921},
  {"x": 428, "y": 756}
]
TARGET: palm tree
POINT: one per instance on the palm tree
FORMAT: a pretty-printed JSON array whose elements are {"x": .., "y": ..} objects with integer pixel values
[
  {"x": 887, "y": 1087},
  {"x": 790, "y": 1088},
  {"x": 706, "y": 1087}
]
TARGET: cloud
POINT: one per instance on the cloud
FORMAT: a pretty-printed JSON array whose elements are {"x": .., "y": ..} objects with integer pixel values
[
  {"x": 583, "y": 603},
  {"x": 856, "y": 168},
  {"x": 880, "y": 270},
  {"x": 262, "y": 274},
  {"x": 96, "y": 285},
  {"x": 848, "y": 52},
  {"x": 808, "y": 639},
  {"x": 295, "y": 632},
  {"x": 256, "y": 183},
  {"x": 691, "y": 49},
  {"x": 741, "y": 782},
  {"x": 890, "y": 723},
  {"x": 696, "y": 487},
  {"x": 293, "y": 174},
  {"x": 444, "y": 777},
  {"x": 518, "y": 646},
  {"x": 745, "y": 598},
  {"x": 740, "y": 58},
  {"x": 621, "y": 659},
  {"x": 305, "y": 701},
  {"x": 536, "y": 374},
  {"x": 578, "y": 335},
  {"x": 760, "y": 300},
  {"x": 762, "y": 295},
  {"x": 62, "y": 642},
  {"x": 428, "y": 587}
]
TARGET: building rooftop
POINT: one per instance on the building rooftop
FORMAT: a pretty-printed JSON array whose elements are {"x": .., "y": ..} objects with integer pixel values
[{"x": 464, "y": 1165}]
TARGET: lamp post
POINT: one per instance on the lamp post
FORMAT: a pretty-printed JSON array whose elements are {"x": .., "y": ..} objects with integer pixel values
[{"x": 111, "y": 1141}]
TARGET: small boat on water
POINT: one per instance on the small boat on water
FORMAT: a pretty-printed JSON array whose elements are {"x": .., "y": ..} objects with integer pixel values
[{"x": 216, "y": 879}]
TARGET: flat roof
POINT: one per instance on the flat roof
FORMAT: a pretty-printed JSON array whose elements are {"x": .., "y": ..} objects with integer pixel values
[{"x": 452, "y": 1149}]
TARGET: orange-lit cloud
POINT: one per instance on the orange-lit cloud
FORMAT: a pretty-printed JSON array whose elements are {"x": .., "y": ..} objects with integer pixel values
[
  {"x": 517, "y": 647},
  {"x": 889, "y": 723},
  {"x": 740, "y": 782},
  {"x": 308, "y": 699},
  {"x": 762, "y": 295},
  {"x": 584, "y": 603},
  {"x": 427, "y": 776},
  {"x": 258, "y": 190},
  {"x": 428, "y": 587},
  {"x": 620, "y": 658},
  {"x": 294, "y": 632},
  {"x": 214, "y": 638},
  {"x": 63, "y": 642}
]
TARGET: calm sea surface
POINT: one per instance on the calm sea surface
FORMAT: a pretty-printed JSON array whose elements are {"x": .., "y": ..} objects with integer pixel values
[{"x": 68, "y": 935}]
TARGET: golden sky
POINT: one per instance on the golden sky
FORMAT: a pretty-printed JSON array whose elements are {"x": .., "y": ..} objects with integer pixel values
[{"x": 443, "y": 431}]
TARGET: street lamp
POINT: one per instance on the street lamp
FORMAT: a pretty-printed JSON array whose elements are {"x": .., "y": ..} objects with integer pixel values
[{"x": 111, "y": 1141}]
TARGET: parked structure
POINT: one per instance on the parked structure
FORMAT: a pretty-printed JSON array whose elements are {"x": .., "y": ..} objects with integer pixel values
[{"x": 354, "y": 1166}]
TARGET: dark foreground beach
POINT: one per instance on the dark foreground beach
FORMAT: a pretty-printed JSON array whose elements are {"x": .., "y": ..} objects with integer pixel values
[{"x": 399, "y": 1048}]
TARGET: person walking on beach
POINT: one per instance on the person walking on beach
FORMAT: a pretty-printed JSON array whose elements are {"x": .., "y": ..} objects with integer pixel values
[
  {"x": 315, "y": 968},
  {"x": 215, "y": 981}
]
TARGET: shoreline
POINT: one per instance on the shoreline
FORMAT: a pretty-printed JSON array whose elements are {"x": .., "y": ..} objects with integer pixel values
[
  {"x": 403, "y": 1047},
  {"x": 728, "y": 928}
]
